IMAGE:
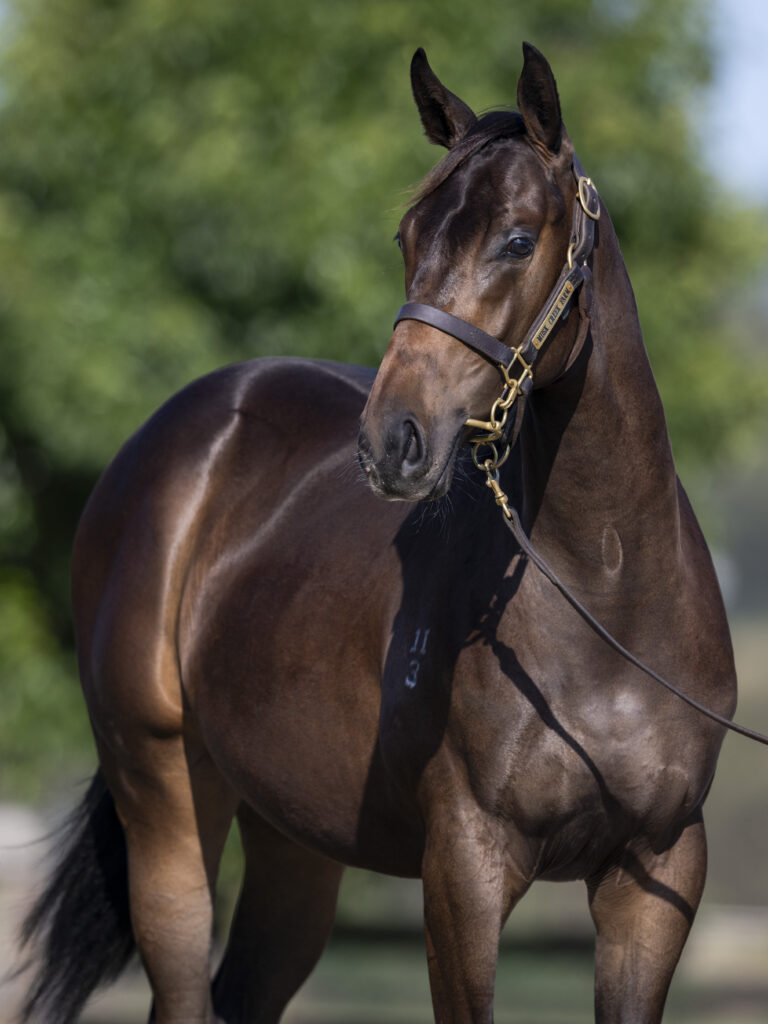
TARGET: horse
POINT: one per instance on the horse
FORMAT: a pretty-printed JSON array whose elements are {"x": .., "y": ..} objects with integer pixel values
[{"x": 296, "y": 605}]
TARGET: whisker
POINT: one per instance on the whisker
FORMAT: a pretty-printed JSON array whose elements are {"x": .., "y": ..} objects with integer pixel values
[{"x": 350, "y": 469}]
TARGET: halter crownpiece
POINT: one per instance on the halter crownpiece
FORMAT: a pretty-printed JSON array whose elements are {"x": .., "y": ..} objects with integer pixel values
[{"x": 516, "y": 364}]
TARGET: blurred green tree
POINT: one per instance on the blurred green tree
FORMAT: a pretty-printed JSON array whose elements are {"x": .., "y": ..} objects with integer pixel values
[{"x": 186, "y": 183}]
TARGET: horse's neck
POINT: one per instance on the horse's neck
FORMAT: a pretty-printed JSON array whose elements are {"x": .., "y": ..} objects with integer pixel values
[{"x": 599, "y": 480}]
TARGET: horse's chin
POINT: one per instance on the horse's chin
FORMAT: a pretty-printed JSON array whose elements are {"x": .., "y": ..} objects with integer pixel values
[{"x": 407, "y": 490}]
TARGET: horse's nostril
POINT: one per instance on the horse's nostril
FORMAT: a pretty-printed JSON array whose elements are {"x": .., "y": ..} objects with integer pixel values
[{"x": 412, "y": 447}]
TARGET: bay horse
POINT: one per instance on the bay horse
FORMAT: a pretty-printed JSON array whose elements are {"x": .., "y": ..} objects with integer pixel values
[{"x": 391, "y": 683}]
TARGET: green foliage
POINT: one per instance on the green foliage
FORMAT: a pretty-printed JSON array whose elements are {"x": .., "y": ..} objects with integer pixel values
[
  {"x": 184, "y": 184},
  {"x": 44, "y": 732}
]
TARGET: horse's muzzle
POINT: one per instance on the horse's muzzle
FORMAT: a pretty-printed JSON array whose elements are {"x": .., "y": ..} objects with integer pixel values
[{"x": 402, "y": 466}]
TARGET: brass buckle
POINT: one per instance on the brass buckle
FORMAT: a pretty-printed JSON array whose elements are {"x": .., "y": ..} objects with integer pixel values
[
  {"x": 515, "y": 384},
  {"x": 494, "y": 427},
  {"x": 585, "y": 185}
]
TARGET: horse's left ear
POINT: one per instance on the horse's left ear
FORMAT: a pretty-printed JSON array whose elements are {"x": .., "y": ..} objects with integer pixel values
[{"x": 538, "y": 101}]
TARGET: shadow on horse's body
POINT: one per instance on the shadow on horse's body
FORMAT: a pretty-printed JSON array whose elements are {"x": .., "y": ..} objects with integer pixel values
[{"x": 391, "y": 684}]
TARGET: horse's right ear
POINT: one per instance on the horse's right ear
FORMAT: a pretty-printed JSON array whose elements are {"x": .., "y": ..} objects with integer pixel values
[{"x": 445, "y": 117}]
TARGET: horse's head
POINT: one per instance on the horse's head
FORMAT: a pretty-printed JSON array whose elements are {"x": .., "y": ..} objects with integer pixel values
[{"x": 485, "y": 241}]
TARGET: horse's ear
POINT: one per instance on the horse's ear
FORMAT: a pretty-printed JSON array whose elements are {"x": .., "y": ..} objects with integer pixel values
[
  {"x": 538, "y": 101},
  {"x": 445, "y": 117}
]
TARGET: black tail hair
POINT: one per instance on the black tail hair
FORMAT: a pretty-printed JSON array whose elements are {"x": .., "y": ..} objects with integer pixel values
[{"x": 79, "y": 929}]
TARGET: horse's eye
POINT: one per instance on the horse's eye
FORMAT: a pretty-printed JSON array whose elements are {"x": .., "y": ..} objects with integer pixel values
[
  {"x": 398, "y": 240},
  {"x": 519, "y": 247}
]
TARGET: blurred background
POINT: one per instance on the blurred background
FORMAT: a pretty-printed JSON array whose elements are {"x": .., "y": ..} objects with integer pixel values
[{"x": 185, "y": 184}]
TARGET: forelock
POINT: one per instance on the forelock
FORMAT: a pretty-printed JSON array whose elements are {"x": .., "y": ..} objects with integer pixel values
[{"x": 497, "y": 124}]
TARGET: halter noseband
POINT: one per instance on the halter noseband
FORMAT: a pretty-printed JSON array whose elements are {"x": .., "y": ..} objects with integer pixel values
[{"x": 518, "y": 379}]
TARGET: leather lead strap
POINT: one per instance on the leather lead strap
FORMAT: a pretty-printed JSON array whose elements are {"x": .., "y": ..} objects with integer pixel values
[{"x": 515, "y": 526}]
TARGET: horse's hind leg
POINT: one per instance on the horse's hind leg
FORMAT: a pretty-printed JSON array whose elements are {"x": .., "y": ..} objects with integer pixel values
[
  {"x": 176, "y": 812},
  {"x": 643, "y": 909},
  {"x": 283, "y": 920}
]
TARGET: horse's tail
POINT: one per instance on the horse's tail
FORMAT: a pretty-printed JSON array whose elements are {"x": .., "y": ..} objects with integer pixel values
[{"x": 80, "y": 926}]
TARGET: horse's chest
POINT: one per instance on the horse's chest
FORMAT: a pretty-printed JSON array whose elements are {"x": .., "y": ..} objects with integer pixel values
[{"x": 568, "y": 768}]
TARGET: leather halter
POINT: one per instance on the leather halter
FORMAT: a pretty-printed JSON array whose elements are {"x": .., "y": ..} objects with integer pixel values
[
  {"x": 575, "y": 272},
  {"x": 586, "y": 211}
]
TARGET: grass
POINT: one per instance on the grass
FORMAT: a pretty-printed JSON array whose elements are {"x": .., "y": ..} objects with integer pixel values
[
  {"x": 387, "y": 984},
  {"x": 722, "y": 979}
]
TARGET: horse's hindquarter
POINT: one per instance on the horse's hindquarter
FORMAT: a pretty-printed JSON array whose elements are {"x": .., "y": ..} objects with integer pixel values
[
  {"x": 233, "y": 568},
  {"x": 286, "y": 618}
]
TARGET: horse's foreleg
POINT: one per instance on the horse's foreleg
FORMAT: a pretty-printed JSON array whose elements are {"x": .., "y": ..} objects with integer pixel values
[
  {"x": 283, "y": 920},
  {"x": 643, "y": 908},
  {"x": 471, "y": 883},
  {"x": 176, "y": 812}
]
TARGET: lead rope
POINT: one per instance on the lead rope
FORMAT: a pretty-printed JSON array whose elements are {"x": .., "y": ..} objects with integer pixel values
[{"x": 512, "y": 521}]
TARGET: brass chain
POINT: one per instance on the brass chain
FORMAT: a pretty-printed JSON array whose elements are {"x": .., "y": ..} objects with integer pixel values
[{"x": 493, "y": 428}]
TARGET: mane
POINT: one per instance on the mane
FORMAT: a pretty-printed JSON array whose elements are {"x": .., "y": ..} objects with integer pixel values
[{"x": 495, "y": 125}]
